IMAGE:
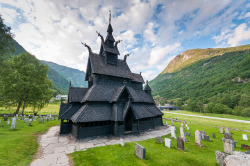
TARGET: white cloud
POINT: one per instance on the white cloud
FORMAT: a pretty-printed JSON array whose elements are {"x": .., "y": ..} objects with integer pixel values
[
  {"x": 158, "y": 53},
  {"x": 9, "y": 15},
  {"x": 233, "y": 37}
]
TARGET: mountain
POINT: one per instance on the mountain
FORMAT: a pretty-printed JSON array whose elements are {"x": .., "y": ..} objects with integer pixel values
[
  {"x": 191, "y": 56},
  {"x": 76, "y": 77},
  {"x": 200, "y": 76},
  {"x": 58, "y": 74}
]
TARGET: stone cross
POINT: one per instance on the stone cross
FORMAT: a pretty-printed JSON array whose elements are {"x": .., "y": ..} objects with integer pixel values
[
  {"x": 180, "y": 143},
  {"x": 140, "y": 151},
  {"x": 214, "y": 136},
  {"x": 198, "y": 140},
  {"x": 227, "y": 130},
  {"x": 13, "y": 124},
  {"x": 183, "y": 133},
  {"x": 243, "y": 135},
  {"x": 221, "y": 130},
  {"x": 173, "y": 135},
  {"x": 159, "y": 140},
  {"x": 168, "y": 142},
  {"x": 228, "y": 145}
]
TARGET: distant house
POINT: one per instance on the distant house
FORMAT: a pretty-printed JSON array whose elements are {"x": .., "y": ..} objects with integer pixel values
[
  {"x": 61, "y": 97},
  {"x": 169, "y": 107}
]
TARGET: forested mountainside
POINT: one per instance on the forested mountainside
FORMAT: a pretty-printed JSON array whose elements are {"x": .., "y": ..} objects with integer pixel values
[
  {"x": 225, "y": 77},
  {"x": 191, "y": 56},
  {"x": 59, "y": 75}
]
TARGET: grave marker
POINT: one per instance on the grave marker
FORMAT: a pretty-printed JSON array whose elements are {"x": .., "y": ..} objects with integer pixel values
[
  {"x": 8, "y": 122},
  {"x": 206, "y": 137},
  {"x": 228, "y": 145},
  {"x": 202, "y": 134},
  {"x": 221, "y": 130},
  {"x": 227, "y": 130},
  {"x": 122, "y": 142},
  {"x": 159, "y": 140},
  {"x": 245, "y": 137},
  {"x": 29, "y": 122},
  {"x": 26, "y": 120},
  {"x": 198, "y": 140},
  {"x": 188, "y": 134},
  {"x": 180, "y": 143},
  {"x": 183, "y": 133},
  {"x": 214, "y": 136},
  {"x": 13, "y": 124},
  {"x": 168, "y": 142},
  {"x": 140, "y": 151},
  {"x": 173, "y": 135}
]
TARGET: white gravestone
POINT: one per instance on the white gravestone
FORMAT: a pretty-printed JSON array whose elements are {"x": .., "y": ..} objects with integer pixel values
[
  {"x": 122, "y": 142},
  {"x": 168, "y": 142},
  {"x": 173, "y": 135},
  {"x": 29, "y": 122},
  {"x": 26, "y": 120},
  {"x": 183, "y": 133},
  {"x": 198, "y": 140},
  {"x": 243, "y": 135},
  {"x": 13, "y": 124},
  {"x": 187, "y": 128},
  {"x": 186, "y": 125},
  {"x": 8, "y": 122}
]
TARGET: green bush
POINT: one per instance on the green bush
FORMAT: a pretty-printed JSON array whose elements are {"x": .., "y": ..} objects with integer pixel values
[{"x": 246, "y": 112}]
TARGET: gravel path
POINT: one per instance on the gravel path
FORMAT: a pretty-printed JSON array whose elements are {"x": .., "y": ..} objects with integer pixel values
[
  {"x": 209, "y": 117},
  {"x": 54, "y": 148}
]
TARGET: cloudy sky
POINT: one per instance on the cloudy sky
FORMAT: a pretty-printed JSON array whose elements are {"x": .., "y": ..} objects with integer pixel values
[{"x": 153, "y": 31}]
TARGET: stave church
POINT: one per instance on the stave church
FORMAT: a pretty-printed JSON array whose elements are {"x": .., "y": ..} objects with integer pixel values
[{"x": 114, "y": 103}]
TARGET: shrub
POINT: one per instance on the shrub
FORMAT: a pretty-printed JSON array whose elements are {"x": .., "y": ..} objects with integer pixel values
[{"x": 246, "y": 112}]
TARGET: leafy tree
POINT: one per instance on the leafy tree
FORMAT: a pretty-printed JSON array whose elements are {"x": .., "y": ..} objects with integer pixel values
[
  {"x": 246, "y": 112},
  {"x": 244, "y": 100},
  {"x": 6, "y": 42},
  {"x": 25, "y": 83},
  {"x": 209, "y": 107},
  {"x": 200, "y": 106}
]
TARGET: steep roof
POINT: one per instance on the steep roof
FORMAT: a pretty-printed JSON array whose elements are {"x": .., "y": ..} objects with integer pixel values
[
  {"x": 93, "y": 112},
  {"x": 72, "y": 109},
  {"x": 137, "y": 78},
  {"x": 76, "y": 94},
  {"x": 145, "y": 111},
  {"x": 98, "y": 66},
  {"x": 147, "y": 87},
  {"x": 63, "y": 108}
]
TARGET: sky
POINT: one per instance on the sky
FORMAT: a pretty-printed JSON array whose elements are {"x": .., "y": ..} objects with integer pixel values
[{"x": 153, "y": 31}]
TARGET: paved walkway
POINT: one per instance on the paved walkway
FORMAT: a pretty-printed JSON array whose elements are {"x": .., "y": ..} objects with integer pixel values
[
  {"x": 209, "y": 117},
  {"x": 54, "y": 148}
]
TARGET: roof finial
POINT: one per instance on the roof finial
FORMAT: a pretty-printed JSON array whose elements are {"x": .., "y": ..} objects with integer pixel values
[
  {"x": 147, "y": 82},
  {"x": 109, "y": 16},
  {"x": 125, "y": 57},
  {"x": 90, "y": 51},
  {"x": 69, "y": 83}
]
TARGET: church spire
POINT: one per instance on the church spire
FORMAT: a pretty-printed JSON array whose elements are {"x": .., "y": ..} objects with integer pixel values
[{"x": 110, "y": 29}]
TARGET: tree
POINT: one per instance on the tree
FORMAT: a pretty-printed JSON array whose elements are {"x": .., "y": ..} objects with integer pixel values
[
  {"x": 6, "y": 41},
  {"x": 25, "y": 83}
]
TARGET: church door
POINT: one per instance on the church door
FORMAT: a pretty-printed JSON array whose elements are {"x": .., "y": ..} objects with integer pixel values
[{"x": 129, "y": 120}]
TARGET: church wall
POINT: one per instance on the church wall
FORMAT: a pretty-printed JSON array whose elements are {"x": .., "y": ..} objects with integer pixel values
[
  {"x": 74, "y": 129},
  {"x": 145, "y": 124},
  {"x": 158, "y": 121},
  {"x": 65, "y": 127}
]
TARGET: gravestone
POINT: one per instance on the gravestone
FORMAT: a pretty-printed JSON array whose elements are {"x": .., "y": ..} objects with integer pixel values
[
  {"x": 198, "y": 140},
  {"x": 186, "y": 125},
  {"x": 43, "y": 120},
  {"x": 29, "y": 122},
  {"x": 220, "y": 156},
  {"x": 214, "y": 136},
  {"x": 227, "y": 130},
  {"x": 206, "y": 137},
  {"x": 168, "y": 142},
  {"x": 159, "y": 140},
  {"x": 40, "y": 120},
  {"x": 173, "y": 135},
  {"x": 166, "y": 123},
  {"x": 228, "y": 145},
  {"x": 172, "y": 124},
  {"x": 245, "y": 137},
  {"x": 122, "y": 143},
  {"x": 26, "y": 120},
  {"x": 22, "y": 118},
  {"x": 228, "y": 136},
  {"x": 13, "y": 124},
  {"x": 202, "y": 134},
  {"x": 5, "y": 118},
  {"x": 8, "y": 122},
  {"x": 183, "y": 133},
  {"x": 176, "y": 118},
  {"x": 221, "y": 130},
  {"x": 187, "y": 128},
  {"x": 188, "y": 134},
  {"x": 47, "y": 119},
  {"x": 140, "y": 151},
  {"x": 180, "y": 143}
]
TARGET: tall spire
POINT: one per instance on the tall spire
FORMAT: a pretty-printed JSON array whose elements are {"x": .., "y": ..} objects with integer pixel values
[
  {"x": 110, "y": 29},
  {"x": 109, "y": 16}
]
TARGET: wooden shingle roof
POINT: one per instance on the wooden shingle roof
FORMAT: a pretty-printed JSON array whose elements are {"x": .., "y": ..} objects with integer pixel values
[{"x": 76, "y": 94}]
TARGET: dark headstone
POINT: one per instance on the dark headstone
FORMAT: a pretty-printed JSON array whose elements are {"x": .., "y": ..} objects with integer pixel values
[
  {"x": 188, "y": 134},
  {"x": 202, "y": 134},
  {"x": 228, "y": 136},
  {"x": 180, "y": 143},
  {"x": 206, "y": 137},
  {"x": 140, "y": 151},
  {"x": 245, "y": 146},
  {"x": 214, "y": 136},
  {"x": 159, "y": 140}
]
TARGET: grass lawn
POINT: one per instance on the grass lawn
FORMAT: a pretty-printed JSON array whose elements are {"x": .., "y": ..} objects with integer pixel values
[
  {"x": 212, "y": 115},
  {"x": 19, "y": 146},
  {"x": 158, "y": 154},
  {"x": 211, "y": 122},
  {"x": 48, "y": 109}
]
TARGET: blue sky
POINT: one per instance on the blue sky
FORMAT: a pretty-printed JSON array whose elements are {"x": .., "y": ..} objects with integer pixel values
[{"x": 153, "y": 31}]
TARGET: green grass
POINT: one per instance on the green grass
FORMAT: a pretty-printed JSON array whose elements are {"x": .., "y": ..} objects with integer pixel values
[
  {"x": 212, "y": 115},
  {"x": 158, "y": 154},
  {"x": 19, "y": 146},
  {"x": 211, "y": 122},
  {"x": 48, "y": 109}
]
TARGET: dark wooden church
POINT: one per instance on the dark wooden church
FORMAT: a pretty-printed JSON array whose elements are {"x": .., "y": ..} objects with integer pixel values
[{"x": 114, "y": 103}]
